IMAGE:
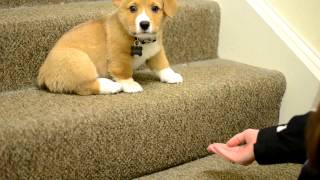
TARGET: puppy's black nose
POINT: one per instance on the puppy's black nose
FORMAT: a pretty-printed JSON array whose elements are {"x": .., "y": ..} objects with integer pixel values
[{"x": 144, "y": 25}]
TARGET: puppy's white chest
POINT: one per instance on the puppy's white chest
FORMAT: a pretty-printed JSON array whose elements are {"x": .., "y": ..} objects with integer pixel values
[{"x": 149, "y": 50}]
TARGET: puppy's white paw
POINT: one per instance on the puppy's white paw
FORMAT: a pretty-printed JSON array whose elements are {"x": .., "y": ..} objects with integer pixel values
[
  {"x": 130, "y": 86},
  {"x": 108, "y": 86},
  {"x": 167, "y": 75}
]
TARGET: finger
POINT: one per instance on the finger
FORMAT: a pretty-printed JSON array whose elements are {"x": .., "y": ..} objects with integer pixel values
[
  {"x": 241, "y": 155},
  {"x": 237, "y": 140},
  {"x": 223, "y": 151},
  {"x": 216, "y": 146},
  {"x": 211, "y": 149},
  {"x": 220, "y": 149},
  {"x": 233, "y": 154}
]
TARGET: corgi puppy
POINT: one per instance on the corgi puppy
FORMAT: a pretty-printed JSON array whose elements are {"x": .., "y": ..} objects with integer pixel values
[{"x": 99, "y": 56}]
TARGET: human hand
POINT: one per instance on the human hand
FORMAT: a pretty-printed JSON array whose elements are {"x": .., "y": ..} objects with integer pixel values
[{"x": 239, "y": 149}]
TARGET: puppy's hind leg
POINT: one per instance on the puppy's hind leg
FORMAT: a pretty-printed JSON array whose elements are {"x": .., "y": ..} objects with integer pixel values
[{"x": 70, "y": 70}]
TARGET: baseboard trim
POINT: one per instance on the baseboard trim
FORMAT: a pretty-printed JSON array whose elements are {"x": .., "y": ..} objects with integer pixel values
[{"x": 304, "y": 51}]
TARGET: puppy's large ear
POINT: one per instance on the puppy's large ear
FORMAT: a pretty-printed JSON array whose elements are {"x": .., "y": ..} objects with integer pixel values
[
  {"x": 170, "y": 7},
  {"x": 117, "y": 2}
]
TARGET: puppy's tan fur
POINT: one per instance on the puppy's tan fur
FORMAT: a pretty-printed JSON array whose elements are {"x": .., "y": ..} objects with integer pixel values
[{"x": 101, "y": 48}]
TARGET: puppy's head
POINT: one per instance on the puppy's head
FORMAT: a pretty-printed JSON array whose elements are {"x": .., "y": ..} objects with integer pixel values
[{"x": 144, "y": 18}]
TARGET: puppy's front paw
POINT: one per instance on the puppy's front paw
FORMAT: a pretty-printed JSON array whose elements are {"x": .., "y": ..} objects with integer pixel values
[
  {"x": 167, "y": 75},
  {"x": 130, "y": 86}
]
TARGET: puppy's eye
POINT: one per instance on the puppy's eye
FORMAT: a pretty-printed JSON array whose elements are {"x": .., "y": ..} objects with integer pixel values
[
  {"x": 155, "y": 9},
  {"x": 133, "y": 9}
]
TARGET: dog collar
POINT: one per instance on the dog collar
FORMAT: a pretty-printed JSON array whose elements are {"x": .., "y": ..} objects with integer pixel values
[
  {"x": 136, "y": 48},
  {"x": 145, "y": 41}
]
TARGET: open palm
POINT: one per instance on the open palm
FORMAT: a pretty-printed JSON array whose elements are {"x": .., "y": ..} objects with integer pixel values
[{"x": 239, "y": 149}]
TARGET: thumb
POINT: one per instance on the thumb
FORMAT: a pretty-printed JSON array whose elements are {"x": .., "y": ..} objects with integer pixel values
[{"x": 237, "y": 140}]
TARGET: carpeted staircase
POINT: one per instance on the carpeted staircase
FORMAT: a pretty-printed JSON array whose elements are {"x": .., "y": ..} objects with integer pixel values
[{"x": 124, "y": 136}]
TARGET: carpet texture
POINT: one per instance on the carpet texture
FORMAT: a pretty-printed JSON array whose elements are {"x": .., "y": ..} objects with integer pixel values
[
  {"x": 53, "y": 136},
  {"x": 124, "y": 136},
  {"x": 215, "y": 168},
  {"x": 17, "y": 3},
  {"x": 28, "y": 33}
]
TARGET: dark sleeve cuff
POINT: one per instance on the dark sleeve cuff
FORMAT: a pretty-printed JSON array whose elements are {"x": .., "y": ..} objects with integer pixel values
[
  {"x": 263, "y": 150},
  {"x": 285, "y": 146}
]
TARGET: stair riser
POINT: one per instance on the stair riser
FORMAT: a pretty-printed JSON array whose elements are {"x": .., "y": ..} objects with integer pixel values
[
  {"x": 17, "y": 3},
  {"x": 192, "y": 35}
]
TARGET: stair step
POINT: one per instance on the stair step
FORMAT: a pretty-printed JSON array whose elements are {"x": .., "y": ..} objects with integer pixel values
[
  {"x": 28, "y": 33},
  {"x": 215, "y": 168},
  {"x": 18, "y": 3},
  {"x": 53, "y": 136}
]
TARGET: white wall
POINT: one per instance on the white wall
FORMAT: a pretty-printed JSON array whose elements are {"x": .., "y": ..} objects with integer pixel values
[
  {"x": 246, "y": 38},
  {"x": 303, "y": 16}
]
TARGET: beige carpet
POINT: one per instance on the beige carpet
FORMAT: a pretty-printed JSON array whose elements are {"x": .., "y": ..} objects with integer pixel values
[
  {"x": 128, "y": 135},
  {"x": 26, "y": 3},
  {"x": 124, "y": 136},
  {"x": 215, "y": 168}
]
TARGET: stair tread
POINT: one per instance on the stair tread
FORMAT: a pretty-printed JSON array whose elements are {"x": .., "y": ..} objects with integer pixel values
[
  {"x": 213, "y": 167},
  {"x": 28, "y": 33},
  {"x": 129, "y": 135}
]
